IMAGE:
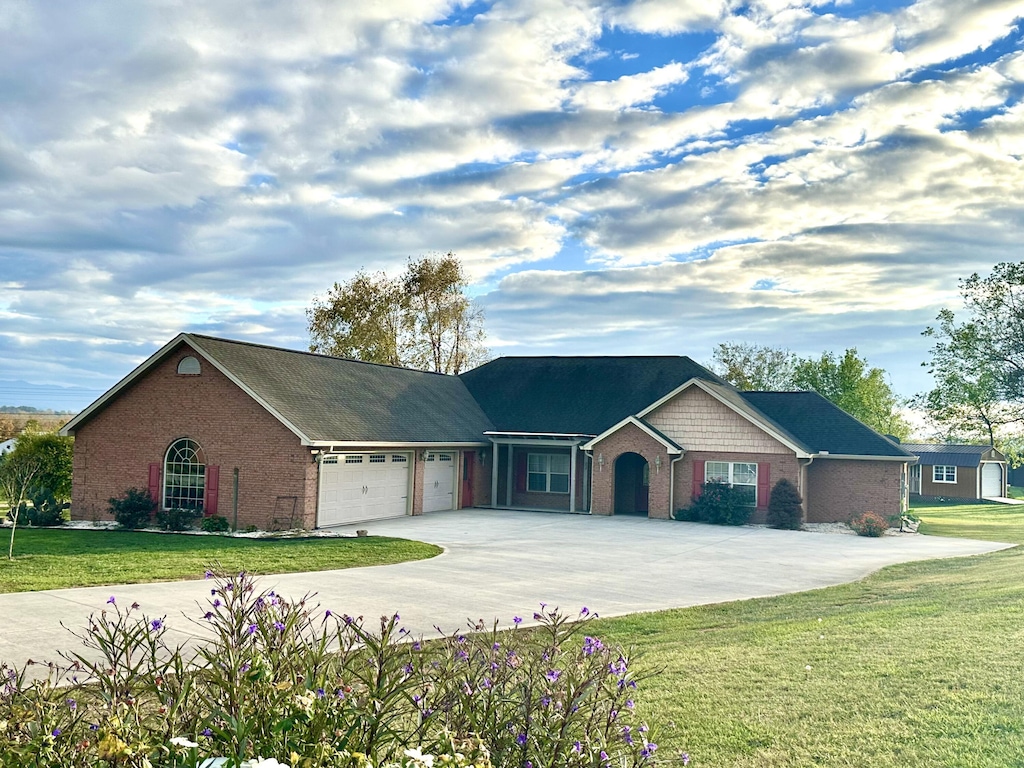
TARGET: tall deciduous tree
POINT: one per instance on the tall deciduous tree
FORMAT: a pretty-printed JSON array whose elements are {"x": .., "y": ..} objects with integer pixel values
[
  {"x": 421, "y": 319},
  {"x": 861, "y": 391},
  {"x": 978, "y": 364},
  {"x": 755, "y": 367}
]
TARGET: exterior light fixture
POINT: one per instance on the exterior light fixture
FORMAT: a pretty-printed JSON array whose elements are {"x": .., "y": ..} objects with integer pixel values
[
  {"x": 600, "y": 462},
  {"x": 657, "y": 464}
]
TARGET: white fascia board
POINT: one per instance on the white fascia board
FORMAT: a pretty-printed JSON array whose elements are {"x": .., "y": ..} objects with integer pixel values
[
  {"x": 801, "y": 453},
  {"x": 102, "y": 400},
  {"x": 304, "y": 440},
  {"x": 538, "y": 434},
  {"x": 861, "y": 457},
  {"x": 536, "y": 441},
  {"x": 380, "y": 444},
  {"x": 672, "y": 449}
]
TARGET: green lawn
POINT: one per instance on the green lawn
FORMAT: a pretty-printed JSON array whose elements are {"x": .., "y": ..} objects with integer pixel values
[
  {"x": 917, "y": 665},
  {"x": 989, "y": 521},
  {"x": 55, "y": 558}
]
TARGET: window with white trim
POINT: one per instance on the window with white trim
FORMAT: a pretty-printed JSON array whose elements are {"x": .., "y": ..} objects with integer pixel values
[
  {"x": 184, "y": 475},
  {"x": 944, "y": 473},
  {"x": 547, "y": 472},
  {"x": 741, "y": 475}
]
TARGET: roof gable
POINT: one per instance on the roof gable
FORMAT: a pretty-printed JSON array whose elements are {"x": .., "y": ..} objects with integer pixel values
[
  {"x": 952, "y": 454},
  {"x": 574, "y": 395}
]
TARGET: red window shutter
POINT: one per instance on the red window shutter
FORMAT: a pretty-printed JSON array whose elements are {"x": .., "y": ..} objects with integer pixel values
[
  {"x": 698, "y": 479},
  {"x": 520, "y": 472},
  {"x": 212, "y": 489},
  {"x": 764, "y": 483},
  {"x": 154, "y": 482}
]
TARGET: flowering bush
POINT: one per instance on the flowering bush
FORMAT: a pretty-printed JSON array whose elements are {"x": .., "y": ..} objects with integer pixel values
[
  {"x": 312, "y": 689},
  {"x": 869, "y": 524}
]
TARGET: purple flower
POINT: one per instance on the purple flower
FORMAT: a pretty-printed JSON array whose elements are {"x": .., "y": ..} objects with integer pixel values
[
  {"x": 55, "y": 732},
  {"x": 206, "y": 732},
  {"x": 627, "y": 735},
  {"x": 156, "y": 624},
  {"x": 496, "y": 647},
  {"x": 408, "y": 669},
  {"x": 685, "y": 757},
  {"x": 462, "y": 655},
  {"x": 320, "y": 693},
  {"x": 72, "y": 704},
  {"x": 213, "y": 591},
  {"x": 577, "y": 747},
  {"x": 94, "y": 727},
  {"x": 545, "y": 701},
  {"x": 111, "y": 600},
  {"x": 250, "y": 629},
  {"x": 246, "y": 666},
  {"x": 416, "y": 645},
  {"x": 279, "y": 626},
  {"x": 208, "y": 575},
  {"x": 553, "y": 675},
  {"x": 629, "y": 704},
  {"x": 209, "y": 615},
  {"x": 515, "y": 619},
  {"x": 650, "y": 748},
  {"x": 328, "y": 613},
  {"x": 584, "y": 611},
  {"x": 216, "y": 603},
  {"x": 521, "y": 739},
  {"x": 543, "y": 605}
]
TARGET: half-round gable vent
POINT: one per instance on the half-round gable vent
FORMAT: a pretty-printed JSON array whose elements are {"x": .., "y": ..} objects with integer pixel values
[{"x": 189, "y": 366}]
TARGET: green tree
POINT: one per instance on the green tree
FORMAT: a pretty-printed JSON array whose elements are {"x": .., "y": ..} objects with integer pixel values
[
  {"x": 978, "y": 364},
  {"x": 754, "y": 367},
  {"x": 862, "y": 392},
  {"x": 19, "y": 471},
  {"x": 421, "y": 319}
]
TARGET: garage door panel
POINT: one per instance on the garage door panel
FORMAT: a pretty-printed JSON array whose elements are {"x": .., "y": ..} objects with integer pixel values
[
  {"x": 358, "y": 487},
  {"x": 991, "y": 480},
  {"x": 438, "y": 482}
]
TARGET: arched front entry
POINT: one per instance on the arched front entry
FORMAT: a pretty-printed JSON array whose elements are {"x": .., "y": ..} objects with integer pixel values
[{"x": 632, "y": 483}]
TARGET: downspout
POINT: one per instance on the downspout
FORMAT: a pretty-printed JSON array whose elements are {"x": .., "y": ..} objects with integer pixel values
[
  {"x": 803, "y": 476},
  {"x": 672, "y": 486}
]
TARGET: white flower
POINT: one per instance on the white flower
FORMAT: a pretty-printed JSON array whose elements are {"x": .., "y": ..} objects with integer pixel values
[
  {"x": 181, "y": 741},
  {"x": 808, "y": 667},
  {"x": 419, "y": 759}
]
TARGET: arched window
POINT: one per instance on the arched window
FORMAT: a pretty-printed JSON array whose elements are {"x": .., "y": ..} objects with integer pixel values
[
  {"x": 189, "y": 366},
  {"x": 184, "y": 475}
]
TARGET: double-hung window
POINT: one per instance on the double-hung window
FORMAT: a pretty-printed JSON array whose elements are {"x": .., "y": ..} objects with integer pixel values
[
  {"x": 944, "y": 473},
  {"x": 547, "y": 472},
  {"x": 741, "y": 475}
]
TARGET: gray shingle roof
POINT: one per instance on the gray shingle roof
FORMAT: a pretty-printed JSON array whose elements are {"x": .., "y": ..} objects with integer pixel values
[
  {"x": 822, "y": 426},
  {"x": 330, "y": 398},
  {"x": 948, "y": 454},
  {"x": 574, "y": 395}
]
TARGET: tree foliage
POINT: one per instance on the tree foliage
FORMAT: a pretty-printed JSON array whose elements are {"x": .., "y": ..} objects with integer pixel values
[
  {"x": 18, "y": 472},
  {"x": 849, "y": 383},
  {"x": 420, "y": 319},
  {"x": 39, "y": 467},
  {"x": 978, "y": 364},
  {"x": 755, "y": 367}
]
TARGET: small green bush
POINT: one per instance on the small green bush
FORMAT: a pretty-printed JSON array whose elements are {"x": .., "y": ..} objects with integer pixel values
[
  {"x": 132, "y": 509},
  {"x": 46, "y": 510},
  {"x": 215, "y": 524},
  {"x": 869, "y": 524},
  {"x": 719, "y": 504},
  {"x": 177, "y": 519},
  {"x": 784, "y": 507}
]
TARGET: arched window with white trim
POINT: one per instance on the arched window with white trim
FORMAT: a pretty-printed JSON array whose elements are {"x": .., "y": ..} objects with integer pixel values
[{"x": 184, "y": 475}]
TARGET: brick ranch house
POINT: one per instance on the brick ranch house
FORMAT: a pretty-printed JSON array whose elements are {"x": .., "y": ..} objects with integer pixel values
[{"x": 278, "y": 438}]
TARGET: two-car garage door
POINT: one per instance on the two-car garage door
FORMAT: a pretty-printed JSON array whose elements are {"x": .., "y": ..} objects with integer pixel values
[
  {"x": 372, "y": 486},
  {"x": 363, "y": 486}
]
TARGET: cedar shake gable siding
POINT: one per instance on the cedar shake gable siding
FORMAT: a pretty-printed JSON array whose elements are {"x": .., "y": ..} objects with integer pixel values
[{"x": 115, "y": 446}]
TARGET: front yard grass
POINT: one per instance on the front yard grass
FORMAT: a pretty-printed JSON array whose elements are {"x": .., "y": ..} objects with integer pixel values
[
  {"x": 981, "y": 520},
  {"x": 55, "y": 558},
  {"x": 917, "y": 665}
]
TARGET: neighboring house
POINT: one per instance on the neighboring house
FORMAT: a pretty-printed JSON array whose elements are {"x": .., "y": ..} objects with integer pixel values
[
  {"x": 6, "y": 446},
  {"x": 281, "y": 438},
  {"x": 957, "y": 471}
]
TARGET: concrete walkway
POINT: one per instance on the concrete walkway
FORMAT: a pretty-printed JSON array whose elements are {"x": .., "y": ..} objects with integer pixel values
[{"x": 499, "y": 564}]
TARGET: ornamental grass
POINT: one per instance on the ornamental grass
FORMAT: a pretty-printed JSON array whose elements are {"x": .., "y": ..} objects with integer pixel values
[{"x": 281, "y": 682}]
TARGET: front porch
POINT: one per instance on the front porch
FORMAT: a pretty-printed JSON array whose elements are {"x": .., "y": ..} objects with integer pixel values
[{"x": 543, "y": 473}]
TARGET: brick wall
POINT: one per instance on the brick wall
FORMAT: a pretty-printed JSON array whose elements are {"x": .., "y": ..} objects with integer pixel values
[
  {"x": 965, "y": 487},
  {"x": 696, "y": 420},
  {"x": 113, "y": 450},
  {"x": 779, "y": 466},
  {"x": 838, "y": 489},
  {"x": 630, "y": 439}
]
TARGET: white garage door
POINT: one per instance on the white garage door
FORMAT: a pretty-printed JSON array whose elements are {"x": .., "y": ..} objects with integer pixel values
[
  {"x": 438, "y": 482},
  {"x": 991, "y": 480},
  {"x": 362, "y": 486}
]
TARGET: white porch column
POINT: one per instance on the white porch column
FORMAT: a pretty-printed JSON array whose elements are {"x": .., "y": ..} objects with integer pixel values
[
  {"x": 572, "y": 478},
  {"x": 494, "y": 474},
  {"x": 508, "y": 484}
]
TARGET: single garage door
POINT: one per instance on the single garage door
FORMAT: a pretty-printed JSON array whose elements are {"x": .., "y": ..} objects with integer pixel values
[
  {"x": 438, "y": 482},
  {"x": 362, "y": 486},
  {"x": 991, "y": 480}
]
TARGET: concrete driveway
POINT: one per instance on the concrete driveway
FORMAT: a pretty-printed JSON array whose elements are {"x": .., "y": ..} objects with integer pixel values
[{"x": 499, "y": 564}]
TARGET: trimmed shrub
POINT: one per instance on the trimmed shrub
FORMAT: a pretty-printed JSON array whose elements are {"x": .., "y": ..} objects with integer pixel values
[
  {"x": 46, "y": 510},
  {"x": 177, "y": 519},
  {"x": 215, "y": 524},
  {"x": 718, "y": 504},
  {"x": 784, "y": 510},
  {"x": 132, "y": 509},
  {"x": 869, "y": 524}
]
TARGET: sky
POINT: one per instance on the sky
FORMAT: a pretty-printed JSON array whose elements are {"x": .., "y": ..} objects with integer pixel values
[{"x": 649, "y": 177}]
